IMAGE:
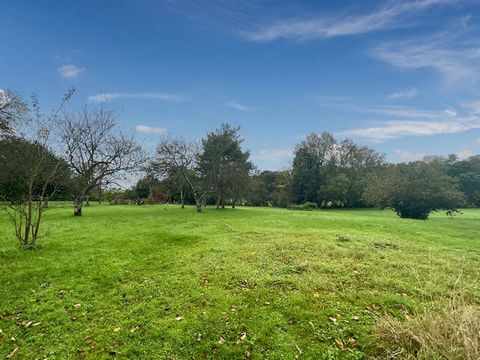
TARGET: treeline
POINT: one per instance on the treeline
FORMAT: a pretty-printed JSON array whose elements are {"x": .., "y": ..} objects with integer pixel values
[
  {"x": 81, "y": 156},
  {"x": 325, "y": 173}
]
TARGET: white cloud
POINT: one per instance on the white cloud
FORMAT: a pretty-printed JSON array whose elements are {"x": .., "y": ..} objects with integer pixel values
[
  {"x": 388, "y": 16},
  {"x": 473, "y": 106},
  {"x": 396, "y": 129},
  {"x": 451, "y": 53},
  {"x": 239, "y": 107},
  {"x": 273, "y": 155},
  {"x": 408, "y": 155},
  {"x": 451, "y": 112},
  {"x": 70, "y": 71},
  {"x": 464, "y": 154},
  {"x": 405, "y": 112},
  {"x": 147, "y": 130},
  {"x": 105, "y": 97},
  {"x": 405, "y": 94}
]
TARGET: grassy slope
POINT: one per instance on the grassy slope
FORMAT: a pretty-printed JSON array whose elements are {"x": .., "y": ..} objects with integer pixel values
[{"x": 291, "y": 280}]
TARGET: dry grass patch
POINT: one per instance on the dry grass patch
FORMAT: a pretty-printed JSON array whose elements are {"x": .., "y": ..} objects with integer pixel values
[{"x": 449, "y": 332}]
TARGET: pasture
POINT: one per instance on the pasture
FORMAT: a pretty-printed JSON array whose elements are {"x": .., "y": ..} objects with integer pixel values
[{"x": 147, "y": 282}]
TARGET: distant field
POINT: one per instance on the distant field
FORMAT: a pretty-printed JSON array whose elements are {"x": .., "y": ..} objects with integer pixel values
[{"x": 149, "y": 283}]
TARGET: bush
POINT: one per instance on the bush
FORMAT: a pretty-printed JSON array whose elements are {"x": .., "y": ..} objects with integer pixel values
[
  {"x": 414, "y": 190},
  {"x": 308, "y": 206}
]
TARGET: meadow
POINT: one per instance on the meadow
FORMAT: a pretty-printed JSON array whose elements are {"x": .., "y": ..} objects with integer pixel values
[{"x": 150, "y": 282}]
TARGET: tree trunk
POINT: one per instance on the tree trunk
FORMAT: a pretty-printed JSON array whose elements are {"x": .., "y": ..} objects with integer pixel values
[
  {"x": 199, "y": 208},
  {"x": 45, "y": 202},
  {"x": 87, "y": 203},
  {"x": 77, "y": 207},
  {"x": 217, "y": 200},
  {"x": 182, "y": 198}
]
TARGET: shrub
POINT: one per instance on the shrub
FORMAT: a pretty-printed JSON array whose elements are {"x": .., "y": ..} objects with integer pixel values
[
  {"x": 308, "y": 206},
  {"x": 414, "y": 190}
]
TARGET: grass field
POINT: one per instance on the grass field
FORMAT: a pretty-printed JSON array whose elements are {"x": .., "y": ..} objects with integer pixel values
[{"x": 149, "y": 283}]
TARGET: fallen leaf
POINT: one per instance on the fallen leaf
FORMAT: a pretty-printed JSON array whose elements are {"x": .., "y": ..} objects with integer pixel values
[
  {"x": 135, "y": 328},
  {"x": 243, "y": 336},
  {"x": 247, "y": 354},
  {"x": 317, "y": 294},
  {"x": 355, "y": 318},
  {"x": 339, "y": 343},
  {"x": 90, "y": 342},
  {"x": 12, "y": 354},
  {"x": 199, "y": 337},
  {"x": 178, "y": 318},
  {"x": 221, "y": 341},
  {"x": 332, "y": 319},
  {"x": 28, "y": 324},
  {"x": 352, "y": 342},
  {"x": 117, "y": 329},
  {"x": 37, "y": 323},
  {"x": 300, "y": 352},
  {"x": 73, "y": 318},
  {"x": 77, "y": 305}
]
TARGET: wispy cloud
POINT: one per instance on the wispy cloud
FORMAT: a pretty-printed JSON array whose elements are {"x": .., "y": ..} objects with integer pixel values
[
  {"x": 239, "y": 107},
  {"x": 148, "y": 130},
  {"x": 408, "y": 155},
  {"x": 405, "y": 112},
  {"x": 451, "y": 53},
  {"x": 473, "y": 106},
  {"x": 400, "y": 128},
  {"x": 70, "y": 71},
  {"x": 273, "y": 155},
  {"x": 105, "y": 97},
  {"x": 405, "y": 94},
  {"x": 387, "y": 16}
]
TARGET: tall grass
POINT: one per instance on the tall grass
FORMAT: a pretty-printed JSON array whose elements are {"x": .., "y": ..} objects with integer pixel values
[{"x": 449, "y": 330}]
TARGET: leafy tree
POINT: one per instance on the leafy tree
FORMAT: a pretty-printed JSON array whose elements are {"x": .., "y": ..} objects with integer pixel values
[
  {"x": 311, "y": 155},
  {"x": 468, "y": 174},
  {"x": 224, "y": 164},
  {"x": 330, "y": 173},
  {"x": 270, "y": 188},
  {"x": 353, "y": 165},
  {"x": 414, "y": 190}
]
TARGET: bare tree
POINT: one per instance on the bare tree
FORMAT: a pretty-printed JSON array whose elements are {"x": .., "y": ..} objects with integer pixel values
[
  {"x": 13, "y": 109},
  {"x": 32, "y": 172},
  {"x": 178, "y": 157},
  {"x": 98, "y": 154}
]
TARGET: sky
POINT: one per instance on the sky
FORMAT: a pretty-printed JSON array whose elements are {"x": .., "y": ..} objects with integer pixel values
[{"x": 401, "y": 76}]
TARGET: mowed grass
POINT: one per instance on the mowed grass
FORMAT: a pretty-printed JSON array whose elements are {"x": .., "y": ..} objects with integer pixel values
[{"x": 148, "y": 283}]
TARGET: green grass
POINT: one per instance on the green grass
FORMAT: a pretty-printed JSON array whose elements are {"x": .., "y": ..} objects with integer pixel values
[{"x": 299, "y": 284}]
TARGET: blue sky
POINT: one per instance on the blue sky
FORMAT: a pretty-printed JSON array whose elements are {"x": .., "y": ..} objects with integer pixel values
[{"x": 401, "y": 76}]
